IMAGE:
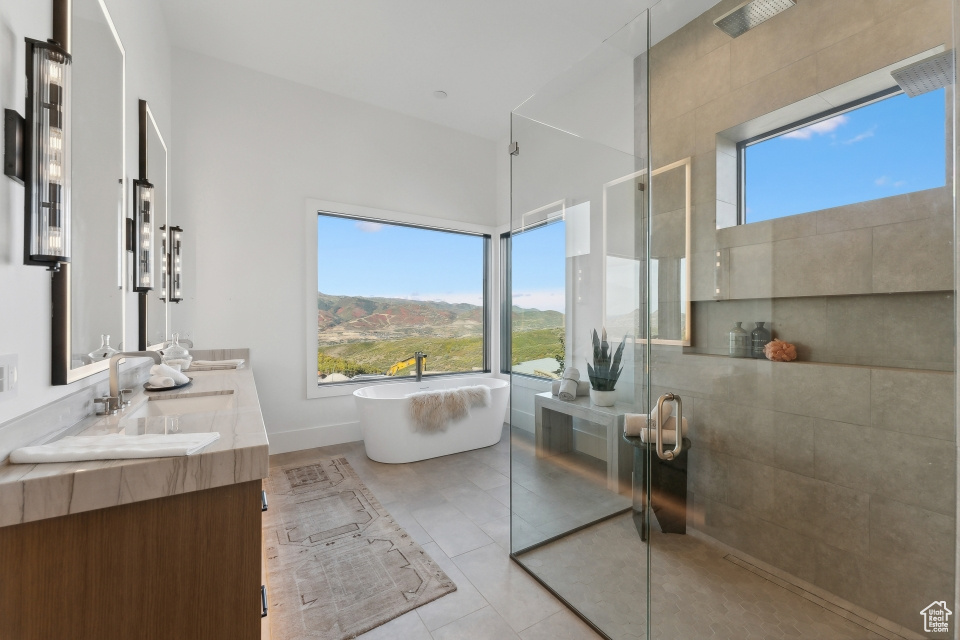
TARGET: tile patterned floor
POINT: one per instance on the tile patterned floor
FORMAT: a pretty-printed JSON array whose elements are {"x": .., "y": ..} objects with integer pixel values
[
  {"x": 718, "y": 598},
  {"x": 457, "y": 508}
]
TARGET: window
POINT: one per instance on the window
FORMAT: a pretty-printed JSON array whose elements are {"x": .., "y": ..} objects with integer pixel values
[
  {"x": 537, "y": 268},
  {"x": 884, "y": 145},
  {"x": 387, "y": 290}
]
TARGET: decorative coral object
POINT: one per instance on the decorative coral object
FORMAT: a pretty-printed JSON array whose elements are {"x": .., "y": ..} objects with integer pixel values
[{"x": 780, "y": 351}]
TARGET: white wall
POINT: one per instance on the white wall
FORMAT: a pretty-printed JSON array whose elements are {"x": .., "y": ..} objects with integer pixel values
[
  {"x": 25, "y": 291},
  {"x": 250, "y": 150}
]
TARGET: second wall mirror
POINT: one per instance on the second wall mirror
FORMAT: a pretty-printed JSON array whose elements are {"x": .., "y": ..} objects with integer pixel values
[{"x": 154, "y": 171}]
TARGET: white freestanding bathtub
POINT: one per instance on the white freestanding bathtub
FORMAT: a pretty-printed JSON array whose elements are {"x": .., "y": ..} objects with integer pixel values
[{"x": 390, "y": 436}]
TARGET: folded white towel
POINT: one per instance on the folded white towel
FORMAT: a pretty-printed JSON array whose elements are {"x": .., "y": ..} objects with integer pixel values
[
  {"x": 161, "y": 382},
  {"x": 667, "y": 412},
  {"x": 114, "y": 447},
  {"x": 583, "y": 388},
  {"x": 650, "y": 435},
  {"x": 639, "y": 424},
  {"x": 568, "y": 389},
  {"x": 670, "y": 424},
  {"x": 211, "y": 365},
  {"x": 571, "y": 373},
  {"x": 634, "y": 424},
  {"x": 165, "y": 371}
]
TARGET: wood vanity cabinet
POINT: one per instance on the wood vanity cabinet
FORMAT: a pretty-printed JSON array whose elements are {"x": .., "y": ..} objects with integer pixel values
[{"x": 184, "y": 567}]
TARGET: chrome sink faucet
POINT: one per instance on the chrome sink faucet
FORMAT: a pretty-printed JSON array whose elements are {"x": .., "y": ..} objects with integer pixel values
[
  {"x": 420, "y": 357},
  {"x": 114, "y": 402}
]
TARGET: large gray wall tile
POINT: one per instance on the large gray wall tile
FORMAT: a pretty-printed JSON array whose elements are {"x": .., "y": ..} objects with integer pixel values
[
  {"x": 911, "y": 533},
  {"x": 823, "y": 391},
  {"x": 830, "y": 264},
  {"x": 914, "y": 402},
  {"x": 914, "y": 256},
  {"x": 912, "y": 469}
]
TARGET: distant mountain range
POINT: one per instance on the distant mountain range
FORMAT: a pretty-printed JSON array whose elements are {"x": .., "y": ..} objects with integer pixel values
[{"x": 343, "y": 319}]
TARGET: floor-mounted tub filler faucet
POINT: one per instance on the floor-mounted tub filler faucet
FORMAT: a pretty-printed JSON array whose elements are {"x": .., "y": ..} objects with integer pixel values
[
  {"x": 420, "y": 357},
  {"x": 114, "y": 402}
]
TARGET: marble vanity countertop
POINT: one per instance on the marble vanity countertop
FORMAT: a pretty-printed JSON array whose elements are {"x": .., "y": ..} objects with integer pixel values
[{"x": 30, "y": 492}]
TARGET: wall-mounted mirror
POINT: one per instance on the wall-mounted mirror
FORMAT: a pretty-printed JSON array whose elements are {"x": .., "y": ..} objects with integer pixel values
[
  {"x": 669, "y": 313},
  {"x": 154, "y": 169},
  {"x": 88, "y": 292}
]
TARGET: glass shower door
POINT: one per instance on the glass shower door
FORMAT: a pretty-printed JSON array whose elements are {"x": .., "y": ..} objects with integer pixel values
[{"x": 814, "y": 493}]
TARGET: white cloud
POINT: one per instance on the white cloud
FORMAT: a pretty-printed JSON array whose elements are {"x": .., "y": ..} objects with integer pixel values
[
  {"x": 860, "y": 137},
  {"x": 818, "y": 128},
  {"x": 368, "y": 227},
  {"x": 882, "y": 180},
  {"x": 900, "y": 183}
]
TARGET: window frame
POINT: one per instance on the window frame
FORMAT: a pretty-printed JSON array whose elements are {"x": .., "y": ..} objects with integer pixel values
[
  {"x": 314, "y": 208},
  {"x": 506, "y": 304},
  {"x": 742, "y": 145}
]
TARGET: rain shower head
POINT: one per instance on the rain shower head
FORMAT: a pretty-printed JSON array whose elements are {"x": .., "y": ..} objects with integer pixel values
[
  {"x": 750, "y": 14},
  {"x": 926, "y": 75}
]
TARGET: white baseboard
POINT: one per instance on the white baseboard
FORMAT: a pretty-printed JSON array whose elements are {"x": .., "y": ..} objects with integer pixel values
[
  {"x": 286, "y": 441},
  {"x": 523, "y": 420}
]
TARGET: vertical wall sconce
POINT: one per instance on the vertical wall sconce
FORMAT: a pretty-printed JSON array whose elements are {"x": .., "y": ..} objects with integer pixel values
[
  {"x": 142, "y": 236},
  {"x": 37, "y": 154},
  {"x": 164, "y": 263},
  {"x": 176, "y": 264}
]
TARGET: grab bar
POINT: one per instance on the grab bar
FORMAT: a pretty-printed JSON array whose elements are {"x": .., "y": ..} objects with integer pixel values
[{"x": 678, "y": 447}]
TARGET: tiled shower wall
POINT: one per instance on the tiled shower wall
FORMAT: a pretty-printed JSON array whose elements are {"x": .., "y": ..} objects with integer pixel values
[{"x": 839, "y": 468}]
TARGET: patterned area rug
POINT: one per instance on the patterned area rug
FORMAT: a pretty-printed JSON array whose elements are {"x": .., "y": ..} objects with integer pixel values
[{"x": 338, "y": 563}]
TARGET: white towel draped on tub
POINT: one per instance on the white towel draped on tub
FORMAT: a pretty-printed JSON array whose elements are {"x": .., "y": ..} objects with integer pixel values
[
  {"x": 433, "y": 410},
  {"x": 114, "y": 447}
]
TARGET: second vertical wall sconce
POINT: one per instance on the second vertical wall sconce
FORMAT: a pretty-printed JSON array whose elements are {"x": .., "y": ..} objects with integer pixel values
[
  {"x": 143, "y": 239},
  {"x": 176, "y": 265}
]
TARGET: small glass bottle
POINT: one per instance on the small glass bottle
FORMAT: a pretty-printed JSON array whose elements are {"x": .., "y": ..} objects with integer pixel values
[
  {"x": 104, "y": 351},
  {"x": 759, "y": 338},
  {"x": 176, "y": 354},
  {"x": 739, "y": 342}
]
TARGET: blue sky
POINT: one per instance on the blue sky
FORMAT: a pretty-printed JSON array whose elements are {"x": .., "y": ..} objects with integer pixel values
[
  {"x": 540, "y": 267},
  {"x": 360, "y": 258},
  {"x": 887, "y": 148},
  {"x": 380, "y": 260}
]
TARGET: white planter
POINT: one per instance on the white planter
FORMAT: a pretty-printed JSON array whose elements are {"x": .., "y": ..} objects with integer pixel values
[{"x": 603, "y": 398}]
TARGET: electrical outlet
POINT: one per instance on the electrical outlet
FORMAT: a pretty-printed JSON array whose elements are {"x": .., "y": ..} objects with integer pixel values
[{"x": 8, "y": 376}]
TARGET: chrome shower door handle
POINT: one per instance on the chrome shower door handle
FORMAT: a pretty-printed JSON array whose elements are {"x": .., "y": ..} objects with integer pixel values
[{"x": 678, "y": 447}]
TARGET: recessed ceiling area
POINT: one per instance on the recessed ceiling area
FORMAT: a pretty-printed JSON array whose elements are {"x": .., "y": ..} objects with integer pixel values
[{"x": 488, "y": 56}]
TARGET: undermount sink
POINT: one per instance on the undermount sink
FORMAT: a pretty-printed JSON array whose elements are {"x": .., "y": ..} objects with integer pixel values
[{"x": 183, "y": 404}]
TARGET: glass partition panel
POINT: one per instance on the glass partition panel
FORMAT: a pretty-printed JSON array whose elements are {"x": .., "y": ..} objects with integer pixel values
[{"x": 577, "y": 250}]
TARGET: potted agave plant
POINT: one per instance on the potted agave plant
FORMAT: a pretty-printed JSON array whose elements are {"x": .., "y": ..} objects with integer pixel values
[{"x": 605, "y": 370}]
